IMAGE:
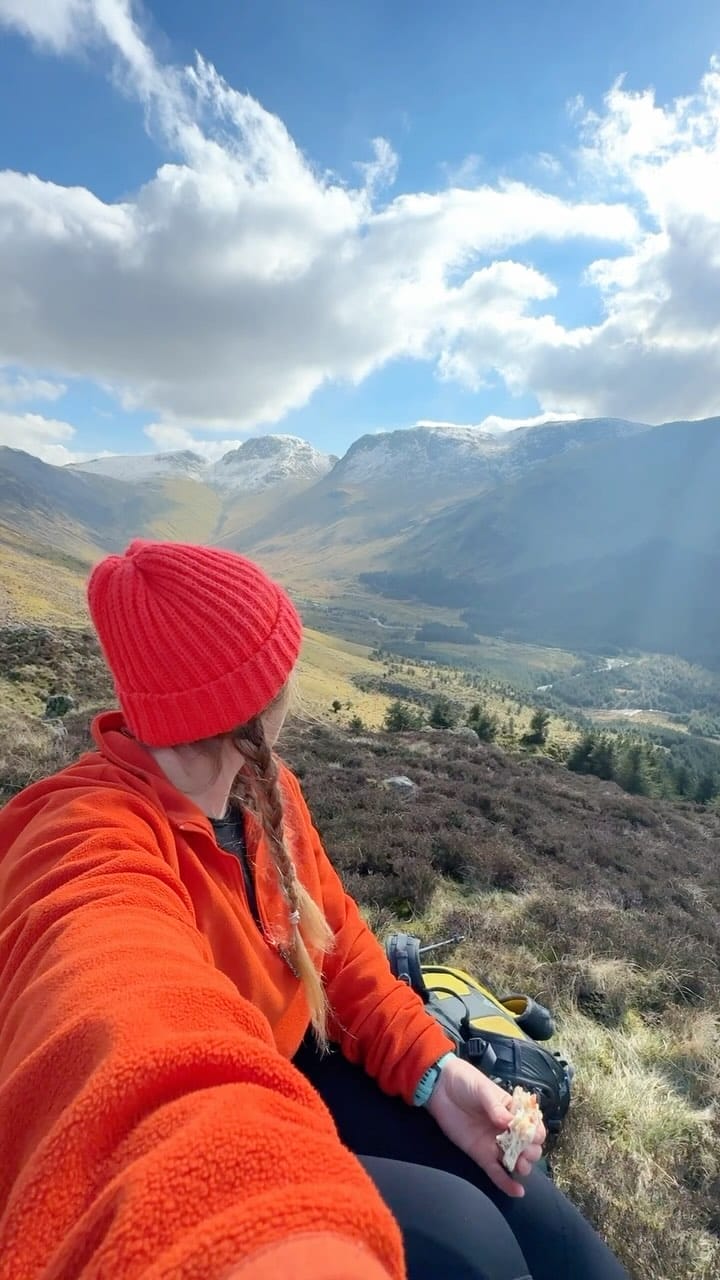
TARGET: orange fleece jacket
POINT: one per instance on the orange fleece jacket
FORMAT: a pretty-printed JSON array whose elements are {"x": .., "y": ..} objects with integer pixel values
[{"x": 152, "y": 1124}]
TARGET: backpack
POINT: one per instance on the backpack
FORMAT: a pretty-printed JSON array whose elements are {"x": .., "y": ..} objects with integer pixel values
[{"x": 499, "y": 1036}]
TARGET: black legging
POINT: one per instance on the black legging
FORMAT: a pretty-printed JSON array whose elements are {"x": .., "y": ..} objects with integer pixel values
[{"x": 455, "y": 1223}]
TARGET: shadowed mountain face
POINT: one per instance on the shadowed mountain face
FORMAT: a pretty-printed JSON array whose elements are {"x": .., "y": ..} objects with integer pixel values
[
  {"x": 615, "y": 544},
  {"x": 72, "y": 510}
]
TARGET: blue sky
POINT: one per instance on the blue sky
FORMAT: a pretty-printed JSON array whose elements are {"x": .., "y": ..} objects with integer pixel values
[{"x": 185, "y": 269}]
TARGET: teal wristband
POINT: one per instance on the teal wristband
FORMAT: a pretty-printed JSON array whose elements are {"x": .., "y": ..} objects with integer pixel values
[{"x": 428, "y": 1081}]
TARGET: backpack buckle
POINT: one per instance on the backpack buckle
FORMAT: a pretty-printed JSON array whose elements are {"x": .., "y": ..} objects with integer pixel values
[{"x": 482, "y": 1053}]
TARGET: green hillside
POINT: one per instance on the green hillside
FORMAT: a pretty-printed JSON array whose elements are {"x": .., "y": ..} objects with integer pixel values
[
  {"x": 86, "y": 515},
  {"x": 40, "y": 582}
]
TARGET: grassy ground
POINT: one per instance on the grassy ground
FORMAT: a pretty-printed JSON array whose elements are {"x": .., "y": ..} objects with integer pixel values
[
  {"x": 628, "y": 719},
  {"x": 640, "y": 1151},
  {"x": 328, "y": 668},
  {"x": 39, "y": 584},
  {"x": 33, "y": 659}
]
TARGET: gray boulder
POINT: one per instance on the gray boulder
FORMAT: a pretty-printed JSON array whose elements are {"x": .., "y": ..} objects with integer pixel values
[
  {"x": 402, "y": 785},
  {"x": 465, "y": 734}
]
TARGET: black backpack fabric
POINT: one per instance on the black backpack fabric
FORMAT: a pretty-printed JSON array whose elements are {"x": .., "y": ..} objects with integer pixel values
[{"x": 499, "y": 1036}]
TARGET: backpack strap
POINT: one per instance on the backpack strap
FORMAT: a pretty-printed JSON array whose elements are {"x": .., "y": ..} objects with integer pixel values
[{"x": 403, "y": 953}]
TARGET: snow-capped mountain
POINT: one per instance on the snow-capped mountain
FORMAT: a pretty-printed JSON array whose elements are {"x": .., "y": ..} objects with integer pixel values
[
  {"x": 422, "y": 457},
  {"x": 146, "y": 466},
  {"x": 267, "y": 461},
  {"x": 255, "y": 465},
  {"x": 436, "y": 454},
  {"x": 415, "y": 452}
]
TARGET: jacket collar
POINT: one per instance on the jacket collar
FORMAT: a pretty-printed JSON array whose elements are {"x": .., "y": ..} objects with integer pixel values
[{"x": 117, "y": 745}]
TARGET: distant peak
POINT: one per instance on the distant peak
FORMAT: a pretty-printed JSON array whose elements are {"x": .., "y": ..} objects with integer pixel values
[
  {"x": 266, "y": 461},
  {"x": 267, "y": 446},
  {"x": 180, "y": 455}
]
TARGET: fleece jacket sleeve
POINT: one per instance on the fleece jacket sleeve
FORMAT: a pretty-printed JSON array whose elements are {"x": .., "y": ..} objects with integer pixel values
[
  {"x": 377, "y": 1020},
  {"x": 324, "y": 1257},
  {"x": 149, "y": 1126}
]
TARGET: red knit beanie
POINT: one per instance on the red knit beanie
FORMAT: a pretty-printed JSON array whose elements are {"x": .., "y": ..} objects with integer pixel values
[{"x": 197, "y": 640}]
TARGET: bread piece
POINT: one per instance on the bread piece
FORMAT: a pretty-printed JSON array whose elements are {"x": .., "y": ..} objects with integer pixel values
[{"x": 526, "y": 1119}]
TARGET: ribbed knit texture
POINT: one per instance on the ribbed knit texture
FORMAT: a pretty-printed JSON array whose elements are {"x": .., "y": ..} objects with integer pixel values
[{"x": 198, "y": 640}]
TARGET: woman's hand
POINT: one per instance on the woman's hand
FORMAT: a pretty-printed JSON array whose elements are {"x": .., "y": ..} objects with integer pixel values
[{"x": 471, "y": 1111}]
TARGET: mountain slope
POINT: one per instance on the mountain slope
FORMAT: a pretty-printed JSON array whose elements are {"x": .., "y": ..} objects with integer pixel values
[
  {"x": 616, "y": 544},
  {"x": 582, "y": 534},
  {"x": 388, "y": 485},
  {"x": 318, "y": 520},
  {"x": 84, "y": 514},
  {"x": 38, "y": 581}
]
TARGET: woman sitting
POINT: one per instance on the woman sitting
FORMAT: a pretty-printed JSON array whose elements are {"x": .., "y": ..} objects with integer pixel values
[{"x": 206, "y": 1067}]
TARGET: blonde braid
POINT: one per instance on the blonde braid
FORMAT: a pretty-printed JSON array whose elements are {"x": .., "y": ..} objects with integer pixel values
[{"x": 258, "y": 783}]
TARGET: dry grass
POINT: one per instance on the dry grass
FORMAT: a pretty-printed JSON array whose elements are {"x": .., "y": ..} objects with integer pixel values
[
  {"x": 640, "y": 1152},
  {"x": 327, "y": 668},
  {"x": 29, "y": 749},
  {"x": 651, "y": 719},
  {"x": 38, "y": 584}
]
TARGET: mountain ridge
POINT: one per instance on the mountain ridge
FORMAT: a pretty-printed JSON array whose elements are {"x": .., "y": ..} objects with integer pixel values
[
  {"x": 548, "y": 534},
  {"x": 389, "y": 483},
  {"x": 492, "y": 455},
  {"x": 425, "y": 448},
  {"x": 256, "y": 464}
]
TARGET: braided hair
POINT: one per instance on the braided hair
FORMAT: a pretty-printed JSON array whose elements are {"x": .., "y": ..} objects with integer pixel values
[{"x": 257, "y": 786}]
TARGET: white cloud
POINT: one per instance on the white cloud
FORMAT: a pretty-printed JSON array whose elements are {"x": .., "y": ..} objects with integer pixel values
[
  {"x": 168, "y": 438},
  {"x": 382, "y": 171},
  {"x": 495, "y": 424},
  {"x": 19, "y": 389},
  {"x": 464, "y": 174},
  {"x": 68, "y": 25},
  {"x": 55, "y": 23},
  {"x": 657, "y": 353},
  {"x": 239, "y": 279},
  {"x": 44, "y": 437}
]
